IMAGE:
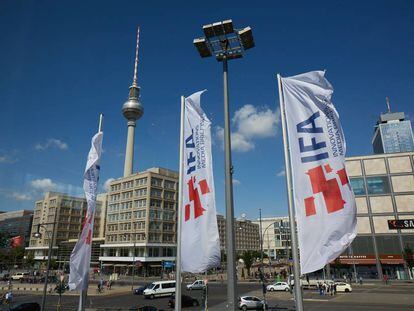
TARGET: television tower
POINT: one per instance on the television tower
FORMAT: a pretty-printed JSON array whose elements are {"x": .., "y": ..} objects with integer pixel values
[{"x": 132, "y": 111}]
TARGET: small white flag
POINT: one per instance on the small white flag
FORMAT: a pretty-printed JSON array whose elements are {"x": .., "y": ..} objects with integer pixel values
[
  {"x": 324, "y": 202},
  {"x": 200, "y": 243},
  {"x": 80, "y": 257}
]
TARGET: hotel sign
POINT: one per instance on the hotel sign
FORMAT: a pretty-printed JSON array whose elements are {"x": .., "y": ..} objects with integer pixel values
[{"x": 401, "y": 224}]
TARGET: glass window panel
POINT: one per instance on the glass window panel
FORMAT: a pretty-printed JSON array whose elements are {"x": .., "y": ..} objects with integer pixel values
[
  {"x": 378, "y": 185},
  {"x": 357, "y": 185}
]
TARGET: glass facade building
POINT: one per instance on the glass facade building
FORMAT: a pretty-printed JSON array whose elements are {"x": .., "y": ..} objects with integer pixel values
[{"x": 393, "y": 134}]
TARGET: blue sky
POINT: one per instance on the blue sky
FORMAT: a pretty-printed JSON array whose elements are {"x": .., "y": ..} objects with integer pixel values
[{"x": 63, "y": 63}]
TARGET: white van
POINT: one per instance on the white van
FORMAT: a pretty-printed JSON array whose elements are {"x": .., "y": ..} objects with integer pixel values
[{"x": 161, "y": 288}]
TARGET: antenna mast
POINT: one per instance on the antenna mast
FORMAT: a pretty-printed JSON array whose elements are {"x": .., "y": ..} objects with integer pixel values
[
  {"x": 387, "y": 99},
  {"x": 134, "y": 82}
]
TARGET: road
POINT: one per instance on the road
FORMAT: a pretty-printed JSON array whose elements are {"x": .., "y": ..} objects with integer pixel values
[{"x": 367, "y": 297}]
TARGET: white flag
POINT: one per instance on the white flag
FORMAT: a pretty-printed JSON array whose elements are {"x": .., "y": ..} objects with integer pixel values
[
  {"x": 324, "y": 201},
  {"x": 80, "y": 257},
  {"x": 200, "y": 243}
]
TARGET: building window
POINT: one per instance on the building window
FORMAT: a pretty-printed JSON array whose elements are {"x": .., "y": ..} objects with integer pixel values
[
  {"x": 357, "y": 185},
  {"x": 378, "y": 185},
  {"x": 169, "y": 184},
  {"x": 155, "y": 203},
  {"x": 156, "y": 193},
  {"x": 141, "y": 181},
  {"x": 156, "y": 182},
  {"x": 141, "y": 192}
]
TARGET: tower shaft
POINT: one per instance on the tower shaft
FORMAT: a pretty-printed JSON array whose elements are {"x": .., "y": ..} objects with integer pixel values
[{"x": 129, "y": 151}]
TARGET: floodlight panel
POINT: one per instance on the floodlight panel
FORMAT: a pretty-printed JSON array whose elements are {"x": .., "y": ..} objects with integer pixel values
[
  {"x": 218, "y": 29},
  {"x": 246, "y": 38},
  {"x": 208, "y": 30},
  {"x": 202, "y": 47},
  {"x": 228, "y": 26}
]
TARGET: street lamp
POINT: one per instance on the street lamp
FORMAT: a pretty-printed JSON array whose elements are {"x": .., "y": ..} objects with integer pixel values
[
  {"x": 225, "y": 42},
  {"x": 38, "y": 235}
]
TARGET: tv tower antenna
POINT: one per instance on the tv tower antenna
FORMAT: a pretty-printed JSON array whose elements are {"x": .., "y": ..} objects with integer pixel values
[
  {"x": 132, "y": 111},
  {"x": 387, "y": 99}
]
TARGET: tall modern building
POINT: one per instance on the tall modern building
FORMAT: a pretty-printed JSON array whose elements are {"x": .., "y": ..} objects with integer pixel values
[
  {"x": 132, "y": 111},
  {"x": 393, "y": 133},
  {"x": 141, "y": 222}
]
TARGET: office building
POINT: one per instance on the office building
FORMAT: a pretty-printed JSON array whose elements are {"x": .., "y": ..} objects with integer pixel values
[
  {"x": 276, "y": 237},
  {"x": 67, "y": 213},
  {"x": 393, "y": 134},
  {"x": 246, "y": 233},
  {"x": 16, "y": 223},
  {"x": 141, "y": 221},
  {"x": 384, "y": 188}
]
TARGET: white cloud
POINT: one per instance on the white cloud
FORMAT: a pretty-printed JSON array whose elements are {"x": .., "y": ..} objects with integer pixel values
[
  {"x": 236, "y": 182},
  {"x": 43, "y": 185},
  {"x": 107, "y": 182},
  {"x": 20, "y": 196},
  {"x": 7, "y": 159},
  {"x": 281, "y": 173},
  {"x": 250, "y": 123},
  {"x": 52, "y": 142},
  {"x": 40, "y": 186}
]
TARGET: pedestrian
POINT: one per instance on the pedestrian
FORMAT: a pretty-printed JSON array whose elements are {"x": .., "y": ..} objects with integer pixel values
[
  {"x": 360, "y": 280},
  {"x": 386, "y": 279},
  {"x": 99, "y": 287},
  {"x": 334, "y": 288},
  {"x": 9, "y": 297}
]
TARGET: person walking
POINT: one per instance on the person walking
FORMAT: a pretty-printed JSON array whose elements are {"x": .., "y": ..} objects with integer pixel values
[{"x": 360, "y": 280}]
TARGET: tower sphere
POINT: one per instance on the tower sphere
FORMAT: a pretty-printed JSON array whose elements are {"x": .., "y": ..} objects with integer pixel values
[{"x": 132, "y": 109}]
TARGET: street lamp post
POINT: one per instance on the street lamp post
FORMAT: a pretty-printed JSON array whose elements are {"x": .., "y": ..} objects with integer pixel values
[
  {"x": 38, "y": 235},
  {"x": 225, "y": 43}
]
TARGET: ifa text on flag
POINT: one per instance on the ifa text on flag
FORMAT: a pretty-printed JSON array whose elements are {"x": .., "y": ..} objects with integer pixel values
[
  {"x": 200, "y": 244},
  {"x": 324, "y": 201}
]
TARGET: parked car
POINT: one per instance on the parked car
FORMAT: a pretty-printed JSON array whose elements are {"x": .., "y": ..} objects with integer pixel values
[
  {"x": 198, "y": 284},
  {"x": 251, "y": 302},
  {"x": 145, "y": 308},
  {"x": 186, "y": 301},
  {"x": 19, "y": 275},
  {"x": 279, "y": 286},
  {"x": 140, "y": 290},
  {"x": 343, "y": 287},
  {"x": 161, "y": 288}
]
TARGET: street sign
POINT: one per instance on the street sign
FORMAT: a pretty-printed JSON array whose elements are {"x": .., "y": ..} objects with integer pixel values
[{"x": 395, "y": 224}]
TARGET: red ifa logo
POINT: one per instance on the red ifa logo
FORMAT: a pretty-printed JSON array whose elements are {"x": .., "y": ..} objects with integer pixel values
[
  {"x": 88, "y": 222},
  {"x": 328, "y": 187},
  {"x": 194, "y": 196}
]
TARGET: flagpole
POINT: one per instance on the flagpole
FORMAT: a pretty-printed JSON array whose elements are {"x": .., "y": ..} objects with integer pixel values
[
  {"x": 84, "y": 292},
  {"x": 293, "y": 234},
  {"x": 177, "y": 306}
]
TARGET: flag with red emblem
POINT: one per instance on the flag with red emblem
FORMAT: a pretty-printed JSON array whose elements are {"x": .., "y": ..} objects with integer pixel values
[
  {"x": 80, "y": 257},
  {"x": 200, "y": 243},
  {"x": 324, "y": 202},
  {"x": 16, "y": 241}
]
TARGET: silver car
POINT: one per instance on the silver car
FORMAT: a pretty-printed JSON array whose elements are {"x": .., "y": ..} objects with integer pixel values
[
  {"x": 251, "y": 302},
  {"x": 198, "y": 284}
]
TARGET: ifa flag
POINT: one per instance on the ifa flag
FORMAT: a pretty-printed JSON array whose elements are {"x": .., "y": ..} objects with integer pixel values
[
  {"x": 16, "y": 241},
  {"x": 80, "y": 257},
  {"x": 200, "y": 243},
  {"x": 324, "y": 202}
]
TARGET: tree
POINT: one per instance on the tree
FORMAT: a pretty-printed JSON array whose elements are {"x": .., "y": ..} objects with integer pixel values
[
  {"x": 29, "y": 260},
  {"x": 248, "y": 258}
]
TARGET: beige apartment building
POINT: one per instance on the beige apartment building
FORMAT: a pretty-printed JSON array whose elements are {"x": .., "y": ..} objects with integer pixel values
[
  {"x": 141, "y": 222},
  {"x": 276, "y": 237},
  {"x": 246, "y": 234},
  {"x": 383, "y": 185},
  {"x": 67, "y": 213}
]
